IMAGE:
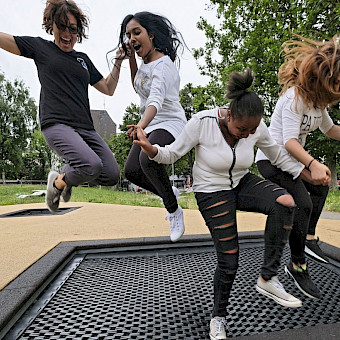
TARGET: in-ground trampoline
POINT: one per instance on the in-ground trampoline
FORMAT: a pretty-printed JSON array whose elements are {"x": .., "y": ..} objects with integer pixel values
[{"x": 153, "y": 289}]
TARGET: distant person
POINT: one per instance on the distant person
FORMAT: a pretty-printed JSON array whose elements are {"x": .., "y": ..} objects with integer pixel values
[
  {"x": 310, "y": 76},
  {"x": 64, "y": 109},
  {"x": 224, "y": 140},
  {"x": 154, "y": 39}
]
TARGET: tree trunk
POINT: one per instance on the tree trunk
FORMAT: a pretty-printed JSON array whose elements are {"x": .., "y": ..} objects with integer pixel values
[{"x": 3, "y": 178}]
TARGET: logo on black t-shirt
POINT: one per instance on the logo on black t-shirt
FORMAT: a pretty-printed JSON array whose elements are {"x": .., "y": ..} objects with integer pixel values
[{"x": 82, "y": 61}]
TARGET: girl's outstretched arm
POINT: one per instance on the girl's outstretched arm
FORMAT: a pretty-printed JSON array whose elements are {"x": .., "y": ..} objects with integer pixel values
[
  {"x": 334, "y": 132},
  {"x": 8, "y": 43},
  {"x": 108, "y": 85}
]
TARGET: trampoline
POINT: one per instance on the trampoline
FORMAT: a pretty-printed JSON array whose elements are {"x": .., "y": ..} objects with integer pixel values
[{"x": 152, "y": 289}]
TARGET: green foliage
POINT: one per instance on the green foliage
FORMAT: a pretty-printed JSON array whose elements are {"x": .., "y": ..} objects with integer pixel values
[
  {"x": 193, "y": 99},
  {"x": 120, "y": 144},
  {"x": 9, "y": 196},
  {"x": 17, "y": 122},
  {"x": 132, "y": 116},
  {"x": 36, "y": 158},
  {"x": 250, "y": 34}
]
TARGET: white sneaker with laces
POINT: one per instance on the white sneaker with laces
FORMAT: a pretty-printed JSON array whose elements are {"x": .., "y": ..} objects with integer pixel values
[
  {"x": 176, "y": 224},
  {"x": 274, "y": 289},
  {"x": 218, "y": 328}
]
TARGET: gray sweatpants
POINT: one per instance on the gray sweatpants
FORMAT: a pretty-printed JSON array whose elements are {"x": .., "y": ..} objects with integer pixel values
[{"x": 88, "y": 157}]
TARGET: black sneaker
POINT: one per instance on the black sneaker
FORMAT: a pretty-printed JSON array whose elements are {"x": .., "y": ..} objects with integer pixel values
[
  {"x": 303, "y": 281},
  {"x": 313, "y": 250}
]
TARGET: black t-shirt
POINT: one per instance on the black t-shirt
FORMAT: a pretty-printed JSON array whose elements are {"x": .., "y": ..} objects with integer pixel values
[{"x": 64, "y": 79}]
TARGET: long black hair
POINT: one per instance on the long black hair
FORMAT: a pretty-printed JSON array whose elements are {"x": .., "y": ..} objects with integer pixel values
[
  {"x": 166, "y": 38},
  {"x": 244, "y": 102}
]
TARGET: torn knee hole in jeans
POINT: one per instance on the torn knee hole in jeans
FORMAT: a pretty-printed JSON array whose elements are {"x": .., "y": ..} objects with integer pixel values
[
  {"x": 225, "y": 225},
  {"x": 216, "y": 205},
  {"x": 288, "y": 227}
]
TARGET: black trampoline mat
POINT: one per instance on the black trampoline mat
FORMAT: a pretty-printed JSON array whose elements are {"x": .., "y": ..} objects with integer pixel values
[
  {"x": 38, "y": 212},
  {"x": 168, "y": 294}
]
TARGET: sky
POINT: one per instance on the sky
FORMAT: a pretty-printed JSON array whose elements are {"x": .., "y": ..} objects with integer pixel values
[{"x": 24, "y": 17}]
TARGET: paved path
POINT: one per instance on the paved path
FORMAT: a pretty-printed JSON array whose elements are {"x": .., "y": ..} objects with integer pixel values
[{"x": 26, "y": 239}]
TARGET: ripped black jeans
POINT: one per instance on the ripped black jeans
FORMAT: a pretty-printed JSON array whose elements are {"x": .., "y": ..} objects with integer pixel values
[{"x": 218, "y": 209}]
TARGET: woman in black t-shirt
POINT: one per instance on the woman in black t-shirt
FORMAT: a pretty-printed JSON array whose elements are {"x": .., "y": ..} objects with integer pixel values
[{"x": 64, "y": 110}]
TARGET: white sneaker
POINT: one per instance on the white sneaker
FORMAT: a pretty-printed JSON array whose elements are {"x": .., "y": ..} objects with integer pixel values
[
  {"x": 52, "y": 194},
  {"x": 176, "y": 224},
  {"x": 175, "y": 191},
  {"x": 217, "y": 328},
  {"x": 274, "y": 289}
]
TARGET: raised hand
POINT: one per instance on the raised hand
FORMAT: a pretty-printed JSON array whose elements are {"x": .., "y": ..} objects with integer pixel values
[
  {"x": 320, "y": 173},
  {"x": 143, "y": 142}
]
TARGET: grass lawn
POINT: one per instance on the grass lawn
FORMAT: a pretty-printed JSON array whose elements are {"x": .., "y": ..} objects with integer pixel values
[{"x": 9, "y": 195}]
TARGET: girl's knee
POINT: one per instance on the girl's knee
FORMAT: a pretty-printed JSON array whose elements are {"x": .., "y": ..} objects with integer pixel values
[
  {"x": 144, "y": 161},
  {"x": 286, "y": 200},
  {"x": 94, "y": 168}
]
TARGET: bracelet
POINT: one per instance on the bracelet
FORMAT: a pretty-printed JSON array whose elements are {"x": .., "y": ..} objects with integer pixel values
[{"x": 310, "y": 163}]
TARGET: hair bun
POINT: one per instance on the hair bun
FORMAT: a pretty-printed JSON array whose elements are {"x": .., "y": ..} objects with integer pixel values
[{"x": 239, "y": 83}]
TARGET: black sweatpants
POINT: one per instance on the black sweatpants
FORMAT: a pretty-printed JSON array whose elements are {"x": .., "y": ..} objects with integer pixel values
[{"x": 150, "y": 175}]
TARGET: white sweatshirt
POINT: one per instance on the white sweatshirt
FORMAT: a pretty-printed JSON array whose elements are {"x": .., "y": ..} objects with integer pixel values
[
  {"x": 157, "y": 83},
  {"x": 294, "y": 121},
  {"x": 218, "y": 166}
]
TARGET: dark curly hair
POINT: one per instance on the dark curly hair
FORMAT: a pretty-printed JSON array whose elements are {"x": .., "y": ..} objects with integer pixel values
[
  {"x": 57, "y": 10},
  {"x": 243, "y": 101},
  {"x": 166, "y": 38}
]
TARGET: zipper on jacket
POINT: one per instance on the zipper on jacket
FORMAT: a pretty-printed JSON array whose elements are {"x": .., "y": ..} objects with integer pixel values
[{"x": 233, "y": 149}]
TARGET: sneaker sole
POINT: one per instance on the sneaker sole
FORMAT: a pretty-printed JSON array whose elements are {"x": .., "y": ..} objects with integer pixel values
[
  {"x": 297, "y": 285},
  {"x": 214, "y": 338},
  {"x": 277, "y": 299},
  {"x": 314, "y": 255},
  {"x": 176, "y": 239}
]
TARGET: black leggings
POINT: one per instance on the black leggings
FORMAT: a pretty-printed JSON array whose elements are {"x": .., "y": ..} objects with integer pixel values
[
  {"x": 150, "y": 175},
  {"x": 218, "y": 209},
  {"x": 310, "y": 200}
]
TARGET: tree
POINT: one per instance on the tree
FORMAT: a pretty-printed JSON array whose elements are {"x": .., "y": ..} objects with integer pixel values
[
  {"x": 37, "y": 159},
  {"x": 120, "y": 144},
  {"x": 193, "y": 99},
  {"x": 17, "y": 121},
  {"x": 250, "y": 34}
]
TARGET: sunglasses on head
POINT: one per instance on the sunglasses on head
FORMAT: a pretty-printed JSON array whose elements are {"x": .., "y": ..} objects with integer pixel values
[{"x": 71, "y": 29}]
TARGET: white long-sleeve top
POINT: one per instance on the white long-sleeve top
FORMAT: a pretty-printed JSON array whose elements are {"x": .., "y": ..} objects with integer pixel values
[
  {"x": 292, "y": 119},
  {"x": 218, "y": 166},
  {"x": 157, "y": 83}
]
